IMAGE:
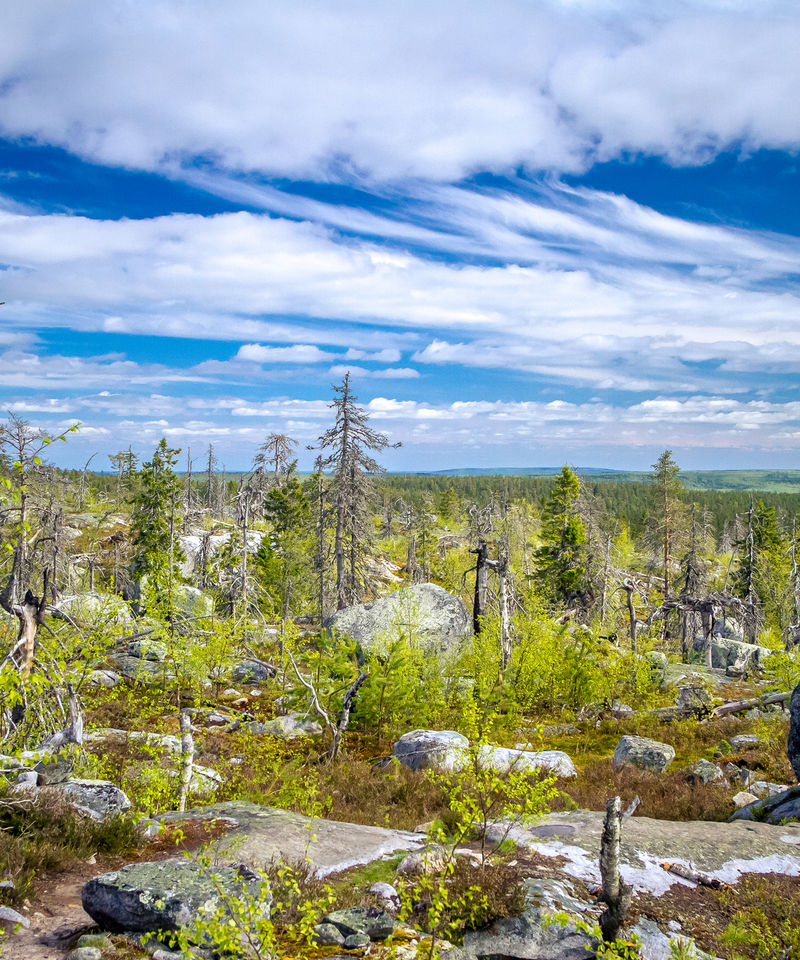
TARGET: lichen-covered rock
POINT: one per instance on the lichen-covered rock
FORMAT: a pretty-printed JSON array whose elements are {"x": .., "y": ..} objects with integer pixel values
[
  {"x": 443, "y": 750},
  {"x": 252, "y": 671},
  {"x": 426, "y": 614},
  {"x": 148, "y": 649},
  {"x": 707, "y": 772},
  {"x": 505, "y": 760},
  {"x": 147, "y": 672},
  {"x": 374, "y": 923},
  {"x": 643, "y": 753},
  {"x": 165, "y": 895},
  {"x": 96, "y": 610},
  {"x": 291, "y": 726},
  {"x": 693, "y": 698},
  {"x": 99, "y": 799}
]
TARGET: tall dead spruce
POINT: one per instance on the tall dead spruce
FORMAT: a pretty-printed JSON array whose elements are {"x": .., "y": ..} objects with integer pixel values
[{"x": 350, "y": 442}]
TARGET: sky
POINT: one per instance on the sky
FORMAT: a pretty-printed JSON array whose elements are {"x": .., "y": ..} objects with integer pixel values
[{"x": 533, "y": 231}]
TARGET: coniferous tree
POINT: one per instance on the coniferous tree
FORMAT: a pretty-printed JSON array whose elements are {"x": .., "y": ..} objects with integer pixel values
[
  {"x": 561, "y": 557},
  {"x": 351, "y": 442},
  {"x": 157, "y": 552},
  {"x": 668, "y": 510}
]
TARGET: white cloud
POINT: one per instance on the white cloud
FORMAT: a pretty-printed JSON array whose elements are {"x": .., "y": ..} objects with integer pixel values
[
  {"x": 434, "y": 90},
  {"x": 299, "y": 353}
]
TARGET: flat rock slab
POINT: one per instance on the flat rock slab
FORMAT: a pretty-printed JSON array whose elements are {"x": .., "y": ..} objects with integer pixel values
[
  {"x": 261, "y": 835},
  {"x": 724, "y": 850}
]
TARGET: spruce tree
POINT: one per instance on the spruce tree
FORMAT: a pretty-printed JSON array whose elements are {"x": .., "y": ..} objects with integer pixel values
[
  {"x": 350, "y": 442},
  {"x": 561, "y": 557}
]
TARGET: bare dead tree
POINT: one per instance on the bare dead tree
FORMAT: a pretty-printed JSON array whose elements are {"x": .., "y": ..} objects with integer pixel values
[{"x": 616, "y": 894}]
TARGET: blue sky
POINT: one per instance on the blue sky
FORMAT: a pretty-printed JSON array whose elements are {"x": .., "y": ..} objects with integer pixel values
[{"x": 535, "y": 231}]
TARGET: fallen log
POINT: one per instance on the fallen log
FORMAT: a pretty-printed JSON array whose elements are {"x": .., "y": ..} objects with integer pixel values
[
  {"x": 695, "y": 876},
  {"x": 739, "y": 706}
]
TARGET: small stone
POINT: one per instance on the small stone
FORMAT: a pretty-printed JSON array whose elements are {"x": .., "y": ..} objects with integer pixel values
[
  {"x": 429, "y": 860},
  {"x": 744, "y": 799},
  {"x": 328, "y": 935},
  {"x": 744, "y": 741},
  {"x": 707, "y": 772},
  {"x": 27, "y": 778},
  {"x": 387, "y": 894},
  {"x": 356, "y": 940},
  {"x": 10, "y": 918},
  {"x": 85, "y": 953}
]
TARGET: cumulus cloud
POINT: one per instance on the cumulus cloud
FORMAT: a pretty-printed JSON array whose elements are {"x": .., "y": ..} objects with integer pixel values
[{"x": 429, "y": 90}]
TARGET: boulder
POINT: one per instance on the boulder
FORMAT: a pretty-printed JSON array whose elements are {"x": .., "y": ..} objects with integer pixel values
[
  {"x": 505, "y": 760},
  {"x": 291, "y": 726},
  {"x": 426, "y": 613},
  {"x": 146, "y": 672},
  {"x": 777, "y": 808},
  {"x": 743, "y": 799},
  {"x": 96, "y": 610},
  {"x": 374, "y": 923},
  {"x": 745, "y": 741},
  {"x": 192, "y": 602},
  {"x": 165, "y": 895},
  {"x": 793, "y": 745},
  {"x": 731, "y": 652},
  {"x": 431, "y": 859},
  {"x": 707, "y": 772},
  {"x": 99, "y": 799},
  {"x": 104, "y": 678},
  {"x": 252, "y": 671},
  {"x": 644, "y": 753},
  {"x": 443, "y": 750},
  {"x": 148, "y": 649},
  {"x": 693, "y": 698}
]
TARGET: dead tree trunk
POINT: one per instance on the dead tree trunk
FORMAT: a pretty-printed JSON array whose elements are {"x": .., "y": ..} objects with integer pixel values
[
  {"x": 505, "y": 627},
  {"x": 481, "y": 585},
  {"x": 616, "y": 893},
  {"x": 187, "y": 758}
]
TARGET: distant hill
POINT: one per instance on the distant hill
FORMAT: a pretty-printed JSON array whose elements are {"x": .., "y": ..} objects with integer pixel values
[{"x": 767, "y": 481}]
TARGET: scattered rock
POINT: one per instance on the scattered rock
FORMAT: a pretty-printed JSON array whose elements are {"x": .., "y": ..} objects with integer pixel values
[
  {"x": 291, "y": 726},
  {"x": 426, "y": 613},
  {"x": 252, "y": 671},
  {"x": 744, "y": 799},
  {"x": 96, "y": 610},
  {"x": 85, "y": 953},
  {"x": 431, "y": 859},
  {"x": 707, "y": 772},
  {"x": 10, "y": 920},
  {"x": 386, "y": 893},
  {"x": 148, "y": 672},
  {"x": 744, "y": 741},
  {"x": 104, "y": 678},
  {"x": 327, "y": 935},
  {"x": 443, "y": 750},
  {"x": 776, "y": 809},
  {"x": 644, "y": 753},
  {"x": 165, "y": 895},
  {"x": 693, "y": 698},
  {"x": 373, "y": 923},
  {"x": 99, "y": 799},
  {"x": 764, "y": 790},
  {"x": 55, "y": 769},
  {"x": 505, "y": 760},
  {"x": 147, "y": 649}
]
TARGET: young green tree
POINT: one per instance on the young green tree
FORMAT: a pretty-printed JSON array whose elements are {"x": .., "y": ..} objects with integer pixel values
[
  {"x": 157, "y": 552},
  {"x": 668, "y": 509},
  {"x": 762, "y": 574},
  {"x": 561, "y": 557},
  {"x": 350, "y": 442},
  {"x": 283, "y": 556}
]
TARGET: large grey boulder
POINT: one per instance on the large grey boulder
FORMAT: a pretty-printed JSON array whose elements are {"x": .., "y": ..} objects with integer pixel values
[
  {"x": 96, "y": 610},
  {"x": 98, "y": 799},
  {"x": 443, "y": 750},
  {"x": 426, "y": 614},
  {"x": 506, "y": 760},
  {"x": 290, "y": 726},
  {"x": 146, "y": 672},
  {"x": 643, "y": 753},
  {"x": 165, "y": 895},
  {"x": 729, "y": 652},
  {"x": 793, "y": 745}
]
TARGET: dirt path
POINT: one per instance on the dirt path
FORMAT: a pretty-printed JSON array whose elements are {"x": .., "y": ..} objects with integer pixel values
[{"x": 56, "y": 915}]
